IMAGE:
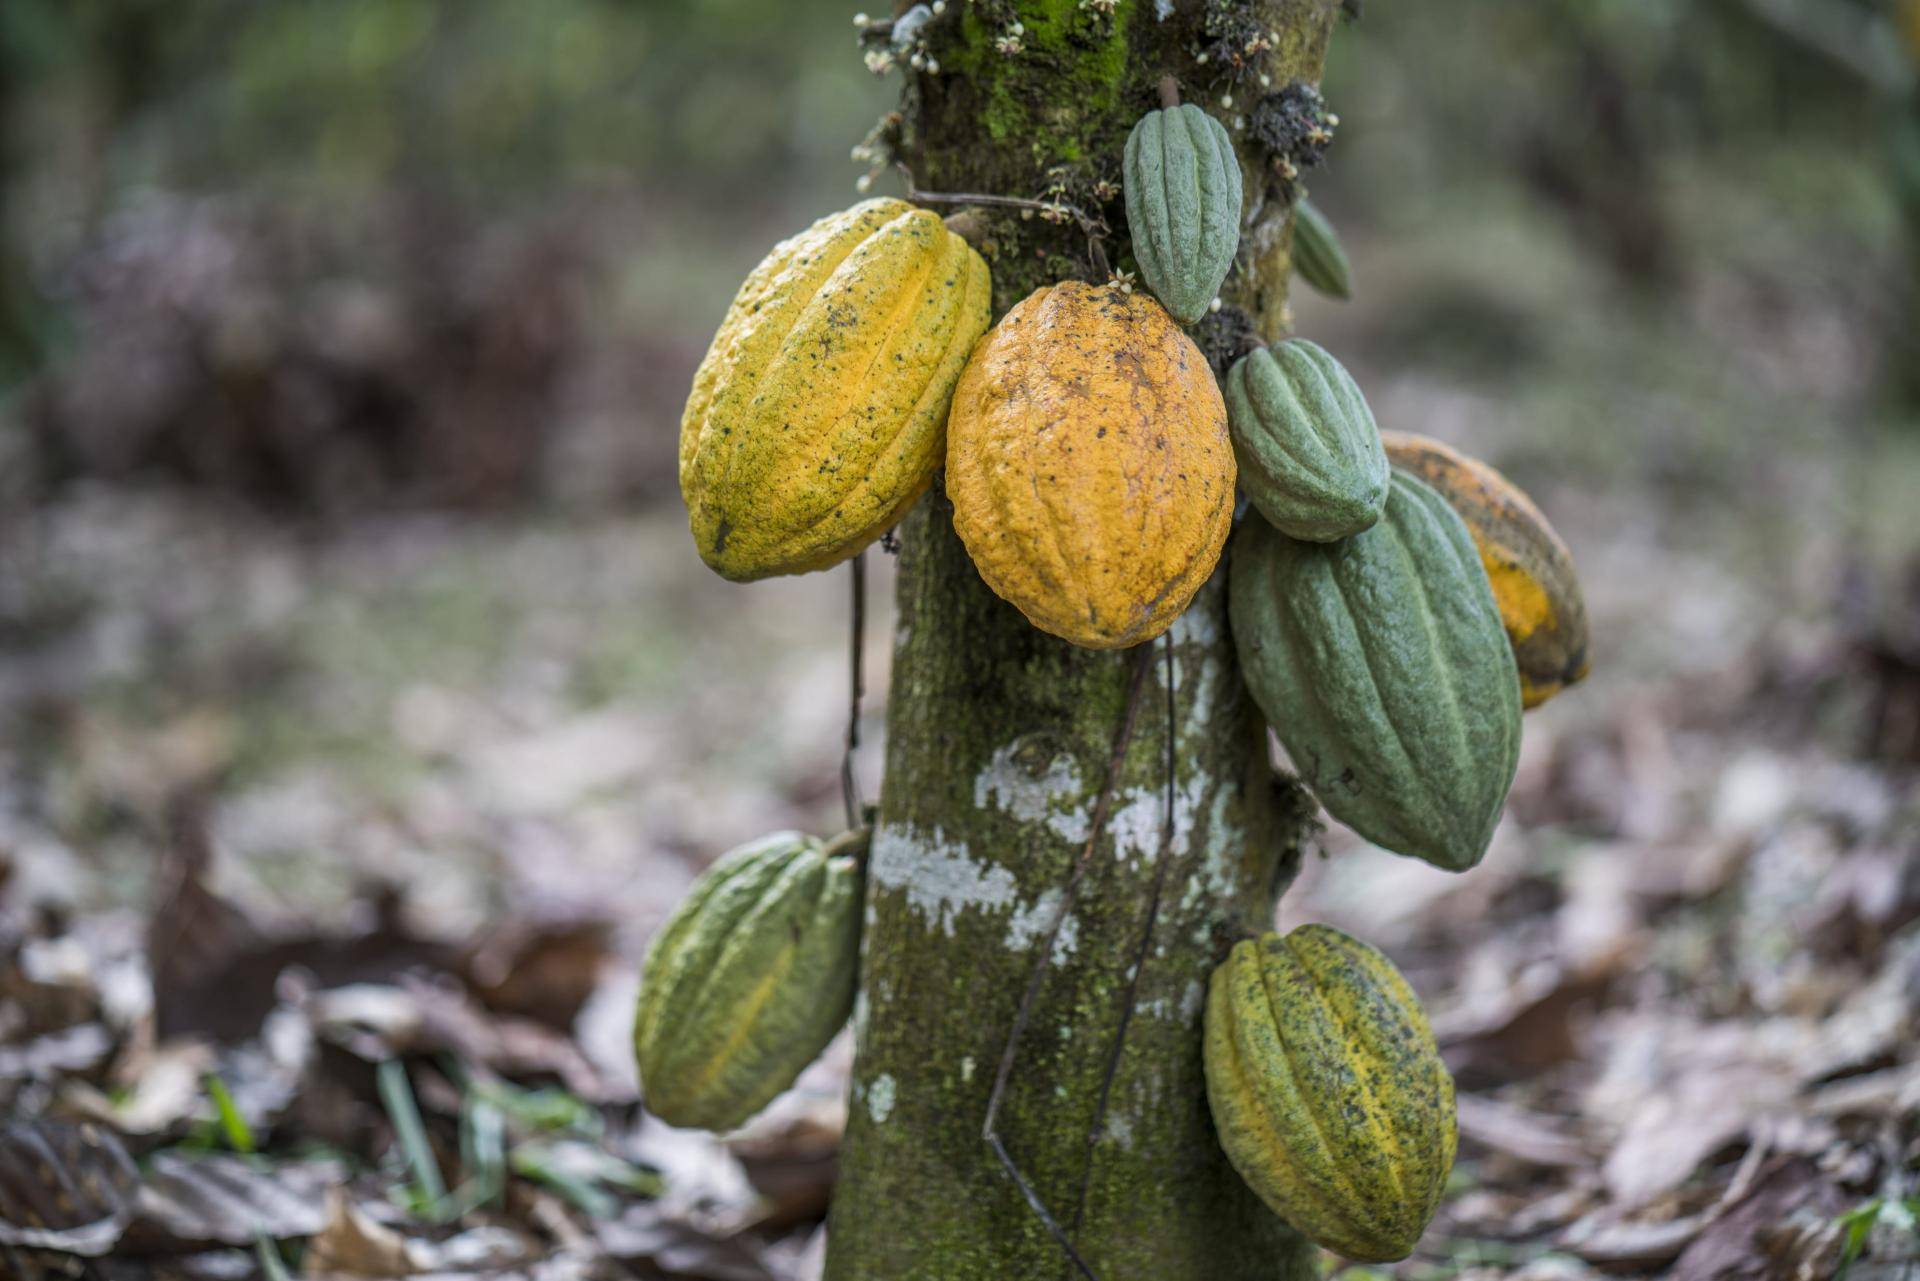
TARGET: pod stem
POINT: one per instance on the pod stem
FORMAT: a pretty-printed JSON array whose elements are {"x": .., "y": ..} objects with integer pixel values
[
  {"x": 1169, "y": 91},
  {"x": 853, "y": 843}
]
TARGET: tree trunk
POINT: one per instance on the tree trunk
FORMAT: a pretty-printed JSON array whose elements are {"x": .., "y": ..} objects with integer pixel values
[{"x": 998, "y": 745}]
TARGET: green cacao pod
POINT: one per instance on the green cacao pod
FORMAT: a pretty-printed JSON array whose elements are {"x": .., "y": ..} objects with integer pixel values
[
  {"x": 1530, "y": 568},
  {"x": 1318, "y": 258},
  {"x": 1310, "y": 456},
  {"x": 820, "y": 411},
  {"x": 1182, "y": 184},
  {"x": 749, "y": 979},
  {"x": 1327, "y": 1090},
  {"x": 1381, "y": 662}
]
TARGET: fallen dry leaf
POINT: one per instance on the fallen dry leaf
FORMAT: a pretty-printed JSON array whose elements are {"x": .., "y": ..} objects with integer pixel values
[
  {"x": 1512, "y": 1132},
  {"x": 75, "y": 1051},
  {"x": 1671, "y": 1133},
  {"x": 540, "y": 969},
  {"x": 643, "y": 1233},
  {"x": 214, "y": 1198},
  {"x": 352, "y": 1244},
  {"x": 64, "y": 1187},
  {"x": 1610, "y": 1240},
  {"x": 1784, "y": 1227}
]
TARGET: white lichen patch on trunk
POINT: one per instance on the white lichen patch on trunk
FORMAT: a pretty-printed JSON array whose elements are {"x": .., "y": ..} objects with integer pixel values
[
  {"x": 1028, "y": 781},
  {"x": 939, "y": 877},
  {"x": 1199, "y": 668},
  {"x": 1139, "y": 813},
  {"x": 1217, "y": 872},
  {"x": 880, "y": 1094},
  {"x": 1028, "y": 925}
]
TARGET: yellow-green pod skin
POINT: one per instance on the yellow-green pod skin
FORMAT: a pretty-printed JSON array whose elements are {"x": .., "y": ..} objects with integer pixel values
[
  {"x": 1328, "y": 1091},
  {"x": 819, "y": 413},
  {"x": 748, "y": 980}
]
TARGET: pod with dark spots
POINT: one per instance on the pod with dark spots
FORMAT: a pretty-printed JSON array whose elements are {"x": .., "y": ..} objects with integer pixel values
[
  {"x": 1381, "y": 663},
  {"x": 1328, "y": 1091},
  {"x": 749, "y": 979},
  {"x": 1182, "y": 185},
  {"x": 1310, "y": 456},
  {"x": 1318, "y": 257},
  {"x": 819, "y": 413},
  {"x": 1089, "y": 465},
  {"x": 1531, "y": 570}
]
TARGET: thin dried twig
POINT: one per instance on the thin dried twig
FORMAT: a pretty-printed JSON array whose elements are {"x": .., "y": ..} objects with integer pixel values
[
  {"x": 1095, "y": 229},
  {"x": 849, "y": 785},
  {"x": 1132, "y": 1000}
]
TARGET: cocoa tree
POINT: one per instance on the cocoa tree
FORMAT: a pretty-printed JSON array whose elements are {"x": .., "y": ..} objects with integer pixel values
[{"x": 1001, "y": 769}]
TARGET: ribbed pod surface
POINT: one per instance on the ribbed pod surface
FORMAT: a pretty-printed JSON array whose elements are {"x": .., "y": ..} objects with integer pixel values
[
  {"x": 1381, "y": 663},
  {"x": 1182, "y": 185},
  {"x": 1089, "y": 466},
  {"x": 1328, "y": 1091},
  {"x": 1310, "y": 455},
  {"x": 819, "y": 413},
  {"x": 1531, "y": 570},
  {"x": 1318, "y": 257},
  {"x": 748, "y": 980}
]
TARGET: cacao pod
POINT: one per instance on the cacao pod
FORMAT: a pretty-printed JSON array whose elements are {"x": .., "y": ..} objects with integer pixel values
[
  {"x": 1089, "y": 465},
  {"x": 1381, "y": 663},
  {"x": 819, "y": 413},
  {"x": 1310, "y": 456},
  {"x": 1327, "y": 1090},
  {"x": 749, "y": 979},
  {"x": 1182, "y": 184},
  {"x": 1318, "y": 258},
  {"x": 1531, "y": 570}
]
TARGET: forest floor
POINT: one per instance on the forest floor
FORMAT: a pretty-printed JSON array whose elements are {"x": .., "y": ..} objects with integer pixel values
[{"x": 327, "y": 853}]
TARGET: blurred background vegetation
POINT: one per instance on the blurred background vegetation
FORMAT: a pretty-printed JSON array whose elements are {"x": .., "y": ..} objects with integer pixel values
[{"x": 319, "y": 316}]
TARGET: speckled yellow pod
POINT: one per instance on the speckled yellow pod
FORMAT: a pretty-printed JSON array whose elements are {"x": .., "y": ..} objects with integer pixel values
[
  {"x": 819, "y": 413},
  {"x": 1327, "y": 1090},
  {"x": 1531, "y": 570},
  {"x": 1089, "y": 464}
]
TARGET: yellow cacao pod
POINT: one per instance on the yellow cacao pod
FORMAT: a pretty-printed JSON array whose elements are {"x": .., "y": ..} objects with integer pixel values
[
  {"x": 1531, "y": 570},
  {"x": 819, "y": 413},
  {"x": 1089, "y": 464},
  {"x": 1327, "y": 1090}
]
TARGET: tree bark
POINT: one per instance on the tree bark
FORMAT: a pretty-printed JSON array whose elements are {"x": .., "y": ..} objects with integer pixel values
[{"x": 998, "y": 745}]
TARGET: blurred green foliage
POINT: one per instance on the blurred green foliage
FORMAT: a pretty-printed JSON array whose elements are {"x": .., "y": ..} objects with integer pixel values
[
  {"x": 480, "y": 95},
  {"x": 730, "y": 121},
  {"x": 744, "y": 107}
]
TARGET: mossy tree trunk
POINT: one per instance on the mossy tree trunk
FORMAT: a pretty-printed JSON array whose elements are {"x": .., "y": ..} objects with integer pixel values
[{"x": 999, "y": 738}]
